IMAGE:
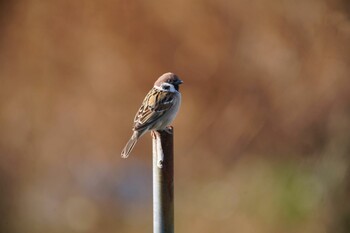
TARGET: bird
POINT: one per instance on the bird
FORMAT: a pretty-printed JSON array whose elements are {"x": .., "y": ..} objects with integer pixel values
[{"x": 158, "y": 109}]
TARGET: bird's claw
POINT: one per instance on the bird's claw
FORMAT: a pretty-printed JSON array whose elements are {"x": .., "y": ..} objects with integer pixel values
[
  {"x": 169, "y": 129},
  {"x": 153, "y": 134}
]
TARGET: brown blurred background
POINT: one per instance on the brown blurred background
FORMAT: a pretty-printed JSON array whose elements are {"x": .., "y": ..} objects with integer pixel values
[{"x": 262, "y": 138}]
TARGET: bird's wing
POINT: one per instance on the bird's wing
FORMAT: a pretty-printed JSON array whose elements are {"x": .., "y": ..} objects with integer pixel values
[{"x": 154, "y": 106}]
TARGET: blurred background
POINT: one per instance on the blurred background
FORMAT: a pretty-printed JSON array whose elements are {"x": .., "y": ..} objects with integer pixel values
[{"x": 262, "y": 138}]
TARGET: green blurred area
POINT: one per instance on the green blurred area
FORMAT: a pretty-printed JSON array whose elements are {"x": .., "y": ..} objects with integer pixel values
[{"x": 261, "y": 141}]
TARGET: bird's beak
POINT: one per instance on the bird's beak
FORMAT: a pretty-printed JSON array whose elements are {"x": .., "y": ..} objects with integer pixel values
[{"x": 179, "y": 82}]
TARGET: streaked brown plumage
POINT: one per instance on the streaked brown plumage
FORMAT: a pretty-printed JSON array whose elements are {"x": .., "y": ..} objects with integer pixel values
[{"x": 158, "y": 109}]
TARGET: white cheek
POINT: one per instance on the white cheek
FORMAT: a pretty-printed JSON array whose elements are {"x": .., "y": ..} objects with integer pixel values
[{"x": 166, "y": 87}]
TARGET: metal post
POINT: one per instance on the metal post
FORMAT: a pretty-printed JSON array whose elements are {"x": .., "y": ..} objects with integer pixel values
[{"x": 163, "y": 182}]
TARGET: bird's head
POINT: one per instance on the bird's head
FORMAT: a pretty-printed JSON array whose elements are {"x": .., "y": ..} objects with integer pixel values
[{"x": 168, "y": 82}]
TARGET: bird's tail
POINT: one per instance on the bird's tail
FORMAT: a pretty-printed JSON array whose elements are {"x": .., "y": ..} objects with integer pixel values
[{"x": 130, "y": 145}]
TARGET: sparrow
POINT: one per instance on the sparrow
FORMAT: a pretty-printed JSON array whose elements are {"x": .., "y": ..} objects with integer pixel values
[{"x": 158, "y": 109}]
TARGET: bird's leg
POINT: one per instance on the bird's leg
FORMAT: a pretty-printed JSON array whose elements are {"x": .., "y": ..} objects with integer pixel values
[
  {"x": 153, "y": 134},
  {"x": 169, "y": 129}
]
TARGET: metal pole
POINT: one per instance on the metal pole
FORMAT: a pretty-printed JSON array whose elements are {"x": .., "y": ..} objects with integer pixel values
[{"x": 163, "y": 182}]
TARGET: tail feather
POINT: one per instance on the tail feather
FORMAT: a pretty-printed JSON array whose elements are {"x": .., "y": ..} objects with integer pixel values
[{"x": 130, "y": 145}]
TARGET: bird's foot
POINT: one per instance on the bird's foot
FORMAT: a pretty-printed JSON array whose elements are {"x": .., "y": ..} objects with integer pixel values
[
  {"x": 154, "y": 134},
  {"x": 169, "y": 129}
]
